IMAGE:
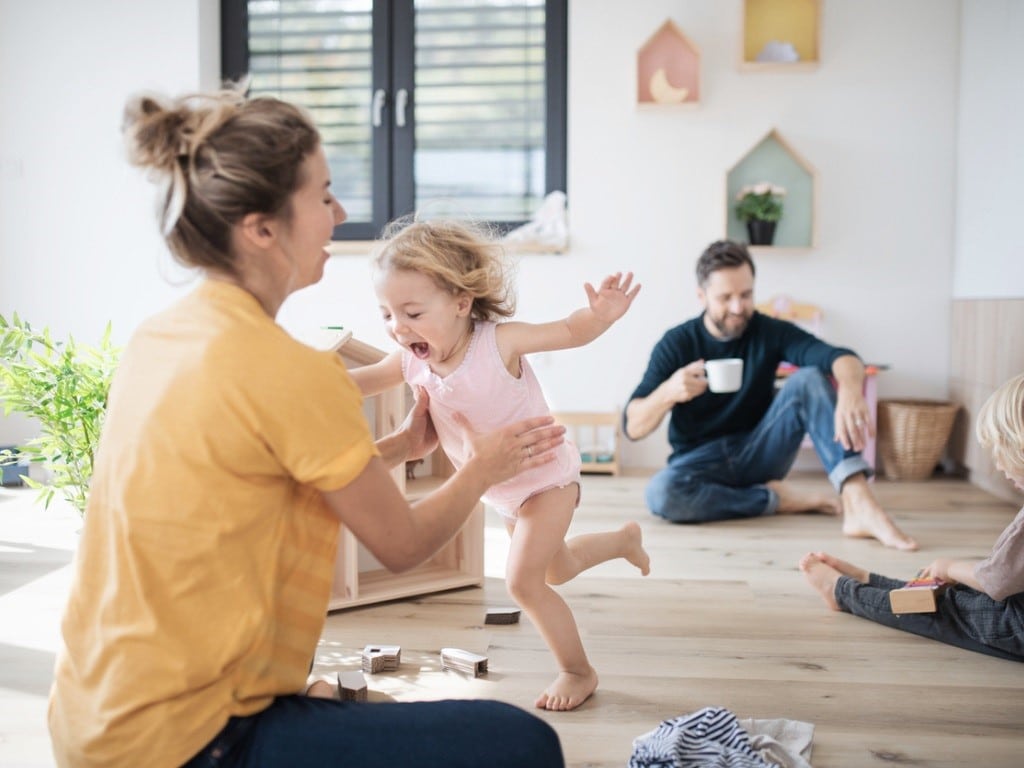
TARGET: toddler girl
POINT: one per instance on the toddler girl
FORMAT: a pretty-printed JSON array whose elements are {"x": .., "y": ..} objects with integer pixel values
[{"x": 442, "y": 287}]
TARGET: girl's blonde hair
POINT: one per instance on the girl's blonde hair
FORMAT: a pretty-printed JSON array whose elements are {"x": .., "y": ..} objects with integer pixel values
[
  {"x": 219, "y": 157},
  {"x": 1000, "y": 426},
  {"x": 459, "y": 257}
]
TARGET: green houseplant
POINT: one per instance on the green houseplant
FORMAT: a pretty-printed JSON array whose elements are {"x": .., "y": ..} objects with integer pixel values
[
  {"x": 759, "y": 206},
  {"x": 63, "y": 386}
]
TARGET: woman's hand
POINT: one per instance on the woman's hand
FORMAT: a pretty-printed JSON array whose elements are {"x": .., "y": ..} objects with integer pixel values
[
  {"x": 419, "y": 428},
  {"x": 506, "y": 452}
]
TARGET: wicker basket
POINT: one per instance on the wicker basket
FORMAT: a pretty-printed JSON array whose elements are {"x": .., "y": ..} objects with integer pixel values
[{"x": 912, "y": 435}]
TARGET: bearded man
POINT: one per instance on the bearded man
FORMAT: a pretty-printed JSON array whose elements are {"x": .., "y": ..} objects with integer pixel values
[{"x": 732, "y": 450}]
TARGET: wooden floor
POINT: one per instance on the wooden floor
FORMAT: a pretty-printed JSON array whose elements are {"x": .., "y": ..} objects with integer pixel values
[{"x": 724, "y": 619}]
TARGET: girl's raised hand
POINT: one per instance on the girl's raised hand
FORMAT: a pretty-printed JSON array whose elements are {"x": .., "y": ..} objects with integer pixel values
[{"x": 613, "y": 297}]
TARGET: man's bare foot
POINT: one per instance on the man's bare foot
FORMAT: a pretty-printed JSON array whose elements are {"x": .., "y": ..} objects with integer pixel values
[
  {"x": 635, "y": 552},
  {"x": 568, "y": 691},
  {"x": 793, "y": 501},
  {"x": 863, "y": 517},
  {"x": 822, "y": 577}
]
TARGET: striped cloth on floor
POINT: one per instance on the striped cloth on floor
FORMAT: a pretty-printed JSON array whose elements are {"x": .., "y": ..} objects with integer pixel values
[{"x": 708, "y": 738}]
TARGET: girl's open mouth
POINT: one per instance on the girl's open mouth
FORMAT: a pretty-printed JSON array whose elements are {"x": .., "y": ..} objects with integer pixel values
[{"x": 420, "y": 349}]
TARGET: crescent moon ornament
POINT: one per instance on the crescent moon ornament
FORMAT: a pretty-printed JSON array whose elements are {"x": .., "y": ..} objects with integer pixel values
[{"x": 663, "y": 92}]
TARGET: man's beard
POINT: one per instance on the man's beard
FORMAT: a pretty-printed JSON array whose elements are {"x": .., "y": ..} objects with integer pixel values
[{"x": 729, "y": 332}]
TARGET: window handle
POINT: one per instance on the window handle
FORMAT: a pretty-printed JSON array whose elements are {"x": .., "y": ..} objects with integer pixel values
[
  {"x": 379, "y": 97},
  {"x": 401, "y": 101}
]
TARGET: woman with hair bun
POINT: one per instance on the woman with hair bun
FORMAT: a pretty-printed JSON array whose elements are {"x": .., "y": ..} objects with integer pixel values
[{"x": 229, "y": 456}]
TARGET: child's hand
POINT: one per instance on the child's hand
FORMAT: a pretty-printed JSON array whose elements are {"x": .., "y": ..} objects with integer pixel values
[
  {"x": 612, "y": 298},
  {"x": 938, "y": 569}
]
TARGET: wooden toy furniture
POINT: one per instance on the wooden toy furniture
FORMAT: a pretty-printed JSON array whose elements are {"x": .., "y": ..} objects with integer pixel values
[
  {"x": 596, "y": 435},
  {"x": 359, "y": 579}
]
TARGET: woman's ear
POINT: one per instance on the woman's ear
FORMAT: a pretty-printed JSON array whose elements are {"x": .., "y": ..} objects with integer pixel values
[
  {"x": 259, "y": 230},
  {"x": 465, "y": 304}
]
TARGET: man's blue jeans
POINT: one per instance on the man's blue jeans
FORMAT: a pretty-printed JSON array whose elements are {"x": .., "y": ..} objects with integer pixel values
[
  {"x": 304, "y": 732},
  {"x": 724, "y": 478}
]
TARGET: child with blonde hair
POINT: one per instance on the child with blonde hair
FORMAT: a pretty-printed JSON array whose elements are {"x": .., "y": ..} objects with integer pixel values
[
  {"x": 983, "y": 609},
  {"x": 442, "y": 288}
]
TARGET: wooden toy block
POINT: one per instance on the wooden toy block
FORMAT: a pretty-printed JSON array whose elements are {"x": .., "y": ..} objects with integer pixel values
[
  {"x": 381, "y": 658},
  {"x": 463, "y": 661},
  {"x": 916, "y": 596},
  {"x": 502, "y": 616},
  {"x": 351, "y": 686}
]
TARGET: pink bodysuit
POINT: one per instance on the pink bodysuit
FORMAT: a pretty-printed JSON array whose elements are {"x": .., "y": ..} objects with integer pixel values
[{"x": 483, "y": 390}]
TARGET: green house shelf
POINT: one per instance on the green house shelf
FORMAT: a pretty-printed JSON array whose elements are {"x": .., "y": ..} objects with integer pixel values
[{"x": 773, "y": 160}]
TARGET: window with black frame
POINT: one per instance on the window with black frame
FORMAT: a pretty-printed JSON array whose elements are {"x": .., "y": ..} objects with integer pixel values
[{"x": 442, "y": 107}]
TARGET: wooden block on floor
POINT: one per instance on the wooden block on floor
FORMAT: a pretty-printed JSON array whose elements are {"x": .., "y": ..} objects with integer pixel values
[
  {"x": 381, "y": 658},
  {"x": 351, "y": 686},
  {"x": 502, "y": 616},
  {"x": 917, "y": 596},
  {"x": 463, "y": 661}
]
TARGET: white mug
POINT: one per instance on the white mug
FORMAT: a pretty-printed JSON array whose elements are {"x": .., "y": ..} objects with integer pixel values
[{"x": 725, "y": 375}]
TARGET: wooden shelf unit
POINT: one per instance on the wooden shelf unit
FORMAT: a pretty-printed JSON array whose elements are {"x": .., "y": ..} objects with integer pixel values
[
  {"x": 774, "y": 160},
  {"x": 359, "y": 579},
  {"x": 668, "y": 69},
  {"x": 596, "y": 434},
  {"x": 775, "y": 31}
]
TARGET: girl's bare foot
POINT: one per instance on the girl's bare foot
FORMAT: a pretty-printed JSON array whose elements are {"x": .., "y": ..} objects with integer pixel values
[
  {"x": 863, "y": 517},
  {"x": 793, "y": 501},
  {"x": 568, "y": 691},
  {"x": 822, "y": 577},
  {"x": 635, "y": 552}
]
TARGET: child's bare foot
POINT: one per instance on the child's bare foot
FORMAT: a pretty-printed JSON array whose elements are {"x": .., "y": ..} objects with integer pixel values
[
  {"x": 568, "y": 691},
  {"x": 635, "y": 552},
  {"x": 863, "y": 517},
  {"x": 822, "y": 577},
  {"x": 845, "y": 568},
  {"x": 793, "y": 501}
]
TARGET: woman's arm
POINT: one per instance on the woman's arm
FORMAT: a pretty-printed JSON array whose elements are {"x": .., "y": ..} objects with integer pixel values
[
  {"x": 401, "y": 536},
  {"x": 377, "y": 377},
  {"x": 606, "y": 304}
]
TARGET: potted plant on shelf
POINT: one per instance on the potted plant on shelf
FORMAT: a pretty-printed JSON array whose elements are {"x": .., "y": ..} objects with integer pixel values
[
  {"x": 759, "y": 206},
  {"x": 63, "y": 386}
]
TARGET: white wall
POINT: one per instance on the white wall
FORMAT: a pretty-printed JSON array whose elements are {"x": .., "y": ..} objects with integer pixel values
[
  {"x": 988, "y": 259},
  {"x": 646, "y": 188}
]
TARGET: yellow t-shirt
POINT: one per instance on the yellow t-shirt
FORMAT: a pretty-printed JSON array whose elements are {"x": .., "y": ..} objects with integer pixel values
[{"x": 207, "y": 555}]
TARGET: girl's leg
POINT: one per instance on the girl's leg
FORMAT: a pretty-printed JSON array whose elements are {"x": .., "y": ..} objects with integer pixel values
[
  {"x": 537, "y": 536},
  {"x": 589, "y": 549},
  {"x": 304, "y": 732}
]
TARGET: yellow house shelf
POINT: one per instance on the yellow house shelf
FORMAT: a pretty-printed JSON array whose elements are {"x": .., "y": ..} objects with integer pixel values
[{"x": 781, "y": 35}]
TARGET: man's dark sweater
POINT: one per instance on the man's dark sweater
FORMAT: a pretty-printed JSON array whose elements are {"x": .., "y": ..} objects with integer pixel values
[{"x": 764, "y": 344}]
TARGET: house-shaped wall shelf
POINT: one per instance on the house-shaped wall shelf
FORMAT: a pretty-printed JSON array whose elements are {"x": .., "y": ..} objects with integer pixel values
[
  {"x": 359, "y": 579},
  {"x": 668, "y": 68},
  {"x": 773, "y": 160},
  {"x": 781, "y": 35}
]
